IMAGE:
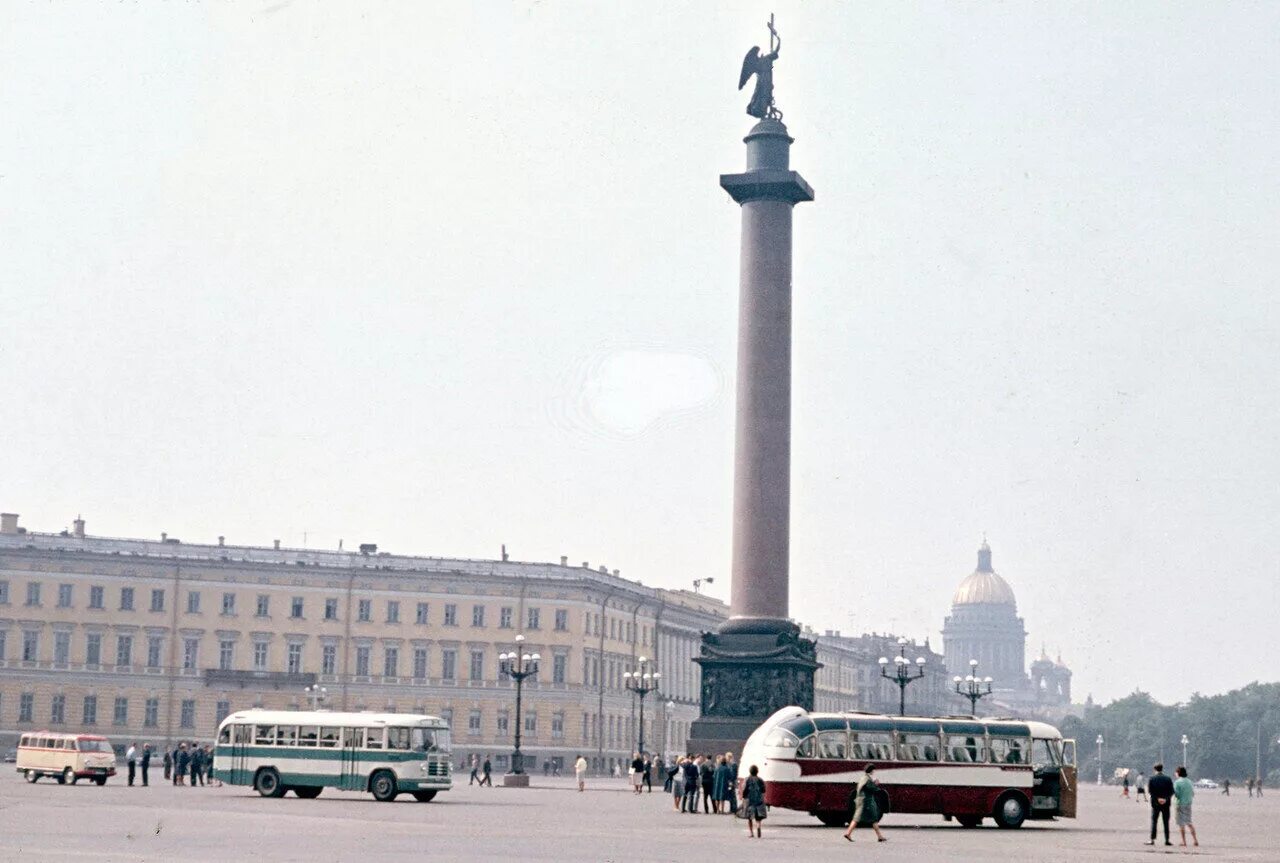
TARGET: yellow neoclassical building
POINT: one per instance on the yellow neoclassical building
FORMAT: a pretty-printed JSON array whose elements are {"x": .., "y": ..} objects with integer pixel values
[{"x": 159, "y": 639}]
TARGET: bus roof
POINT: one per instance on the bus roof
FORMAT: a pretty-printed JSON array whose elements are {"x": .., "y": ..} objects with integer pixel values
[
  {"x": 329, "y": 717},
  {"x": 863, "y": 721}
]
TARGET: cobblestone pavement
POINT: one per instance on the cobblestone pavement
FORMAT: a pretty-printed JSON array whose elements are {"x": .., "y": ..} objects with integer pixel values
[{"x": 552, "y": 821}]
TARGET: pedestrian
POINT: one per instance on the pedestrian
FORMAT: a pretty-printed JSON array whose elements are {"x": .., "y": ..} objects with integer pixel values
[
  {"x": 637, "y": 772},
  {"x": 1161, "y": 788},
  {"x": 131, "y": 759},
  {"x": 1248, "y": 783},
  {"x": 707, "y": 775},
  {"x": 720, "y": 784},
  {"x": 675, "y": 783},
  {"x": 733, "y": 783},
  {"x": 486, "y": 773},
  {"x": 1184, "y": 791},
  {"x": 197, "y": 765},
  {"x": 753, "y": 801},
  {"x": 689, "y": 775},
  {"x": 648, "y": 773},
  {"x": 866, "y": 811},
  {"x": 1257, "y": 785},
  {"x": 475, "y": 770},
  {"x": 168, "y": 763},
  {"x": 1226, "y": 787},
  {"x": 184, "y": 762},
  {"x": 146, "y": 762},
  {"x": 209, "y": 778},
  {"x": 580, "y": 772},
  {"x": 1125, "y": 792},
  {"x": 1142, "y": 786}
]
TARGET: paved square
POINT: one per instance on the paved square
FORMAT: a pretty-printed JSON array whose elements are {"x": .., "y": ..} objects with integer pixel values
[{"x": 551, "y": 821}]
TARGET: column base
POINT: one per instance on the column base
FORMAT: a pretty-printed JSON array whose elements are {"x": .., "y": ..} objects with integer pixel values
[
  {"x": 515, "y": 780},
  {"x": 747, "y": 676}
]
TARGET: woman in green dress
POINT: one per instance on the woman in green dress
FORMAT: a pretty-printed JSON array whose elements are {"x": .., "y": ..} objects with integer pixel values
[{"x": 866, "y": 812}]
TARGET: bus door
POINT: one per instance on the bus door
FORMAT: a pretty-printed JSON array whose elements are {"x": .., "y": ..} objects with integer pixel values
[
  {"x": 351, "y": 776},
  {"x": 1047, "y": 792},
  {"x": 238, "y": 771},
  {"x": 1070, "y": 780}
]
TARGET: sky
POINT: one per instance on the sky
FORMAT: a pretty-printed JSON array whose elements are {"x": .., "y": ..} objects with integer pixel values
[{"x": 448, "y": 276}]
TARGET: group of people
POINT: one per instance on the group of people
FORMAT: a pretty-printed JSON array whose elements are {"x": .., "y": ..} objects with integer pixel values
[
  {"x": 186, "y": 759},
  {"x": 641, "y": 773},
  {"x": 1166, "y": 793},
  {"x": 190, "y": 759},
  {"x": 481, "y": 771},
  {"x": 711, "y": 780}
]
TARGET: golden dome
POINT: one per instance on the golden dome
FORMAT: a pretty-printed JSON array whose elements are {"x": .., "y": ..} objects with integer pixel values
[{"x": 983, "y": 586}]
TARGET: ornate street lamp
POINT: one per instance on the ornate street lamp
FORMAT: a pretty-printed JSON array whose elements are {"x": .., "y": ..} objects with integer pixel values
[
  {"x": 641, "y": 682},
  {"x": 1185, "y": 741},
  {"x": 317, "y": 694},
  {"x": 902, "y": 673},
  {"x": 970, "y": 686},
  {"x": 518, "y": 665},
  {"x": 1100, "y": 759}
]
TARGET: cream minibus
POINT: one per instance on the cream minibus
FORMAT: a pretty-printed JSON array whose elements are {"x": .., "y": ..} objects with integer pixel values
[{"x": 65, "y": 757}]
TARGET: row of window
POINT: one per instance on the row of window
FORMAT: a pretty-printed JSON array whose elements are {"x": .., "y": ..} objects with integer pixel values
[
  {"x": 297, "y": 606},
  {"x": 613, "y": 628},
  {"x": 418, "y": 659},
  {"x": 120, "y": 708},
  {"x": 904, "y": 746}
]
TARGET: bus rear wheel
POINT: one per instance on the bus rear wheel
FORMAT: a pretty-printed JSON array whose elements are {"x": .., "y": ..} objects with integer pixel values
[
  {"x": 833, "y": 819},
  {"x": 31, "y": 776},
  {"x": 307, "y": 792},
  {"x": 267, "y": 783},
  {"x": 101, "y": 780},
  {"x": 383, "y": 786},
  {"x": 969, "y": 821},
  {"x": 1011, "y": 811},
  {"x": 424, "y": 796}
]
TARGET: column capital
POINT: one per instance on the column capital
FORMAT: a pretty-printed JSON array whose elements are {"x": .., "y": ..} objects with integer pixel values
[{"x": 767, "y": 185}]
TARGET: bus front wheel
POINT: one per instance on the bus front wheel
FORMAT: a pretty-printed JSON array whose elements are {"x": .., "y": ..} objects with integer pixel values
[
  {"x": 1011, "y": 811},
  {"x": 424, "y": 796},
  {"x": 69, "y": 776},
  {"x": 307, "y": 792},
  {"x": 101, "y": 780},
  {"x": 383, "y": 786},
  {"x": 267, "y": 783},
  {"x": 31, "y": 776}
]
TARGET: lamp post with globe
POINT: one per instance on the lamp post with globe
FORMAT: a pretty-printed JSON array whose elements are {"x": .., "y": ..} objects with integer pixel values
[
  {"x": 641, "y": 682},
  {"x": 902, "y": 673},
  {"x": 317, "y": 694},
  {"x": 970, "y": 686},
  {"x": 1099, "y": 741},
  {"x": 518, "y": 666},
  {"x": 1185, "y": 741}
]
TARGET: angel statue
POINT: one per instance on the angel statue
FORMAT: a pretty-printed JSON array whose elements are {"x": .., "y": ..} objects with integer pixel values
[{"x": 762, "y": 67}]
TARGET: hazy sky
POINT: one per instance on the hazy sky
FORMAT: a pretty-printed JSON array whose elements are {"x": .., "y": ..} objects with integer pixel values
[{"x": 443, "y": 277}]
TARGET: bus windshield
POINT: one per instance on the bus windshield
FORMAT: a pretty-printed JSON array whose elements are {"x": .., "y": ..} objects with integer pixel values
[
  {"x": 93, "y": 746},
  {"x": 430, "y": 739}
]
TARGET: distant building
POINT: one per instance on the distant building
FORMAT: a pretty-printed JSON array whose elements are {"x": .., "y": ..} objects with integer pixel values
[
  {"x": 868, "y": 690},
  {"x": 984, "y": 625}
]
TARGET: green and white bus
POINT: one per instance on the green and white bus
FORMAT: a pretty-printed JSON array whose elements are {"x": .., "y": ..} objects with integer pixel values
[{"x": 277, "y": 751}]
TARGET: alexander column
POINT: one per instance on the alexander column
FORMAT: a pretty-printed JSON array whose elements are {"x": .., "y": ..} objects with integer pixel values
[{"x": 757, "y": 663}]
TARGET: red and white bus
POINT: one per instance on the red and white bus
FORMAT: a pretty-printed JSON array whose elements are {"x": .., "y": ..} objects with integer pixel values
[
  {"x": 65, "y": 757},
  {"x": 958, "y": 767}
]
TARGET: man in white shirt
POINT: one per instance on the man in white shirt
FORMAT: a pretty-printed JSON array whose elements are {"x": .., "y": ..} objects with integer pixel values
[{"x": 131, "y": 758}]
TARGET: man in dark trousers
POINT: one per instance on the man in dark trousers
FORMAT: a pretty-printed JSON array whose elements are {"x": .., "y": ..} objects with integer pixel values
[
  {"x": 486, "y": 777},
  {"x": 689, "y": 802},
  {"x": 707, "y": 772},
  {"x": 146, "y": 762},
  {"x": 1160, "y": 788},
  {"x": 131, "y": 759}
]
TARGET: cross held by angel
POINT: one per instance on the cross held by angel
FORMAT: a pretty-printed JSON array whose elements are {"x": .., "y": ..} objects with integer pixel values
[{"x": 761, "y": 65}]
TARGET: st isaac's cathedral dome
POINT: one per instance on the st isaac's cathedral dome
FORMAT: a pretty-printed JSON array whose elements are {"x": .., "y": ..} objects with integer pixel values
[{"x": 983, "y": 586}]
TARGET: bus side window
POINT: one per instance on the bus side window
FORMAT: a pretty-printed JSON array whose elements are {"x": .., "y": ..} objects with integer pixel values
[
  {"x": 1042, "y": 754},
  {"x": 243, "y": 734},
  {"x": 832, "y": 744},
  {"x": 288, "y": 735},
  {"x": 808, "y": 747},
  {"x": 264, "y": 735},
  {"x": 329, "y": 736},
  {"x": 373, "y": 738},
  {"x": 397, "y": 738},
  {"x": 224, "y": 734},
  {"x": 353, "y": 737},
  {"x": 307, "y": 735}
]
